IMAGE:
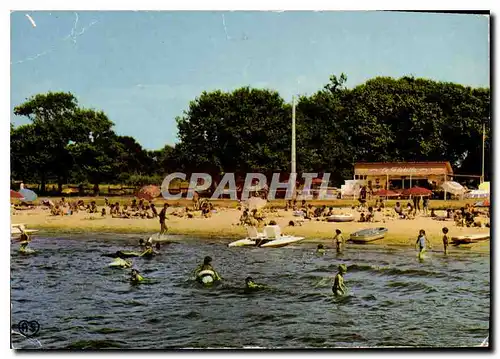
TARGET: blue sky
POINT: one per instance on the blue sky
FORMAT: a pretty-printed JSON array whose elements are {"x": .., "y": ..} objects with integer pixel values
[{"x": 143, "y": 68}]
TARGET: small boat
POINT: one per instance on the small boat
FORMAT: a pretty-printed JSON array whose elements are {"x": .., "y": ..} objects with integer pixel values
[
  {"x": 470, "y": 238},
  {"x": 206, "y": 277},
  {"x": 17, "y": 229},
  {"x": 368, "y": 235},
  {"x": 340, "y": 218},
  {"x": 271, "y": 238}
]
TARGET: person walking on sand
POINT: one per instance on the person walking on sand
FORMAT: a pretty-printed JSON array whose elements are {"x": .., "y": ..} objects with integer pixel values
[
  {"x": 162, "y": 216},
  {"x": 445, "y": 240},
  {"x": 339, "y": 240}
]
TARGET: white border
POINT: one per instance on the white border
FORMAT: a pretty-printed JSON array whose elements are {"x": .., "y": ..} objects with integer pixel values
[{"x": 184, "y": 5}]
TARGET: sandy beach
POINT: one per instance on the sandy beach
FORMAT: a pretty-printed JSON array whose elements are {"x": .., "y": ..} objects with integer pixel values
[{"x": 223, "y": 224}]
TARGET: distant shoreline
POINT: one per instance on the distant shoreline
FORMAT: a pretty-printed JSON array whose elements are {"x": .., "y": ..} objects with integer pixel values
[{"x": 222, "y": 226}]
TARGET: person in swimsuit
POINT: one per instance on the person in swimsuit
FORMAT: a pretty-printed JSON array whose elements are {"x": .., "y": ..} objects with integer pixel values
[
  {"x": 339, "y": 287},
  {"x": 445, "y": 240},
  {"x": 339, "y": 240},
  {"x": 206, "y": 266},
  {"x": 420, "y": 243},
  {"x": 135, "y": 277}
]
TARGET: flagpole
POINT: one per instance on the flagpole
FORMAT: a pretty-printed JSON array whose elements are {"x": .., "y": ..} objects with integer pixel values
[
  {"x": 293, "y": 169},
  {"x": 484, "y": 137}
]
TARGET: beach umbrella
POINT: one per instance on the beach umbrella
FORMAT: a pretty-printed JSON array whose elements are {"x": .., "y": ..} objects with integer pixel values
[
  {"x": 485, "y": 186},
  {"x": 149, "y": 192},
  {"x": 386, "y": 193},
  {"x": 417, "y": 191},
  {"x": 29, "y": 195},
  {"x": 17, "y": 195},
  {"x": 453, "y": 187}
]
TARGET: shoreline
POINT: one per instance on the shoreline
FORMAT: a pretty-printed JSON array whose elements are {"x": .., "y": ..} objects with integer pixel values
[{"x": 222, "y": 226}]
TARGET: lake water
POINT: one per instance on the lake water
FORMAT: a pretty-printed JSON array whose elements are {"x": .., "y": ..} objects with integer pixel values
[{"x": 393, "y": 300}]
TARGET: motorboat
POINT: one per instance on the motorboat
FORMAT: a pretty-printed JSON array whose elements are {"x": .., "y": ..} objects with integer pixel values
[
  {"x": 271, "y": 238},
  {"x": 368, "y": 235}
]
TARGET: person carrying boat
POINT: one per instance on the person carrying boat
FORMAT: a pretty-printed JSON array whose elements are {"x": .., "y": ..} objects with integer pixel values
[
  {"x": 339, "y": 287},
  {"x": 207, "y": 265},
  {"x": 445, "y": 240},
  {"x": 250, "y": 285},
  {"x": 339, "y": 240},
  {"x": 135, "y": 277}
]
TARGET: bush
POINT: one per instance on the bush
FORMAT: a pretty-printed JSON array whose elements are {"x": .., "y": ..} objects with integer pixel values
[{"x": 142, "y": 180}]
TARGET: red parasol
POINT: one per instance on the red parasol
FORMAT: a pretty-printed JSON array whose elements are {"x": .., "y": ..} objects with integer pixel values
[
  {"x": 149, "y": 192},
  {"x": 14, "y": 194},
  {"x": 417, "y": 191},
  {"x": 386, "y": 193}
]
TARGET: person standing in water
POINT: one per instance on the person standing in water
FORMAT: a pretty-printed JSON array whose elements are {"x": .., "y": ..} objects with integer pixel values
[
  {"x": 163, "y": 215},
  {"x": 445, "y": 240},
  {"x": 339, "y": 240},
  {"x": 339, "y": 287},
  {"x": 421, "y": 243}
]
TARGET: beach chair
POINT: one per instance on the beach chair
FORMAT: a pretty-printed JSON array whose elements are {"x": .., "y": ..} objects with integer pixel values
[
  {"x": 272, "y": 232},
  {"x": 253, "y": 233}
]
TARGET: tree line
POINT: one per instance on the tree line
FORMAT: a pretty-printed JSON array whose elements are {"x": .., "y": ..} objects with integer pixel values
[{"x": 249, "y": 130}]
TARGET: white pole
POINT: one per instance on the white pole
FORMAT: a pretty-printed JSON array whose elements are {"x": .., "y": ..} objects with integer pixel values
[
  {"x": 293, "y": 136},
  {"x": 293, "y": 169},
  {"x": 484, "y": 138}
]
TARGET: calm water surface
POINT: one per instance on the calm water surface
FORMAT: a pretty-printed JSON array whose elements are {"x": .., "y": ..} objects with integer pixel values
[{"x": 394, "y": 300}]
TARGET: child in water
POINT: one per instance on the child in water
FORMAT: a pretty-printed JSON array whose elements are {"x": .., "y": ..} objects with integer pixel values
[
  {"x": 339, "y": 287},
  {"x": 320, "y": 250},
  {"x": 339, "y": 240},
  {"x": 420, "y": 243},
  {"x": 445, "y": 240}
]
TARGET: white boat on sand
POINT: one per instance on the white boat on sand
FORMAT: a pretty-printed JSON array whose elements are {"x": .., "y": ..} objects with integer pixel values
[{"x": 271, "y": 238}]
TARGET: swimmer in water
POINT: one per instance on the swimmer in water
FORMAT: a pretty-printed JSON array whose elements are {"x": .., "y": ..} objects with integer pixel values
[
  {"x": 420, "y": 243},
  {"x": 445, "y": 240},
  {"x": 135, "y": 277},
  {"x": 339, "y": 287},
  {"x": 141, "y": 242},
  {"x": 206, "y": 266},
  {"x": 250, "y": 285},
  {"x": 320, "y": 250}
]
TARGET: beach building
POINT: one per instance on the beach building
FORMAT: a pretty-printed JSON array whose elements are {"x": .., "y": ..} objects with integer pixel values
[{"x": 400, "y": 175}]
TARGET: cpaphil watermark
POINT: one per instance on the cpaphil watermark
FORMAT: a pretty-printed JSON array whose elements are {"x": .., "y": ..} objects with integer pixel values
[{"x": 254, "y": 182}]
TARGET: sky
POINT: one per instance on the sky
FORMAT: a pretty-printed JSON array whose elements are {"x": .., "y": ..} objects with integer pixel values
[{"x": 143, "y": 68}]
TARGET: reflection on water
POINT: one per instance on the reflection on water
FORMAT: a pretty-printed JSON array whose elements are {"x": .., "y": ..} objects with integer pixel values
[{"x": 393, "y": 299}]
